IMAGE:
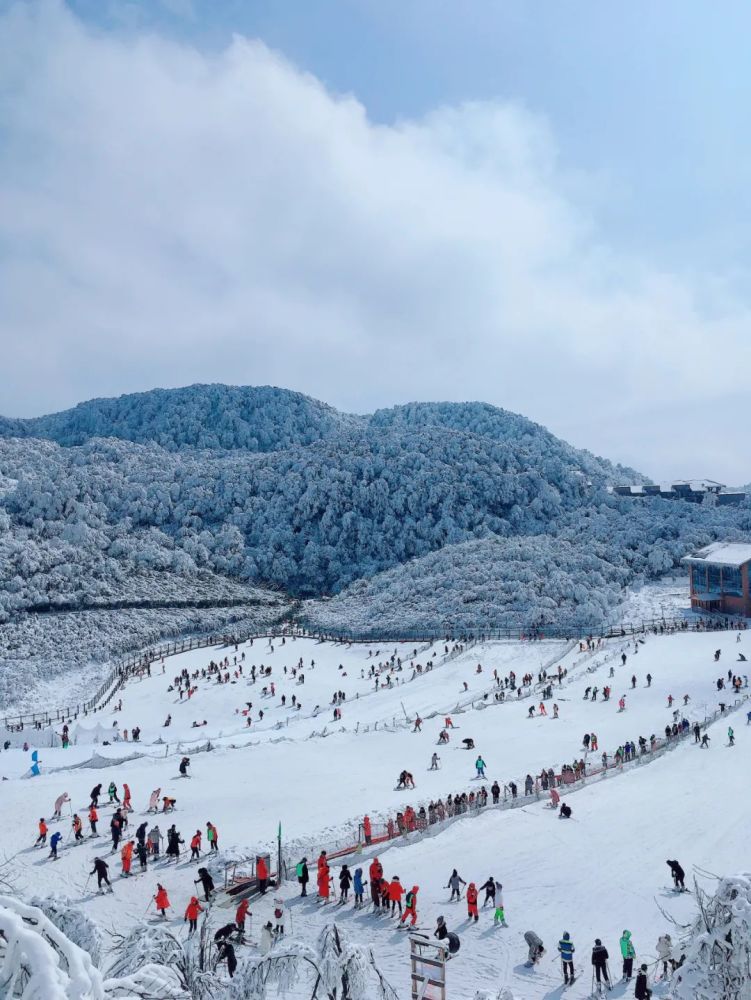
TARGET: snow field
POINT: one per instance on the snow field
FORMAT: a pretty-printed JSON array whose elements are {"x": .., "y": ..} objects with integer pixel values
[{"x": 592, "y": 876}]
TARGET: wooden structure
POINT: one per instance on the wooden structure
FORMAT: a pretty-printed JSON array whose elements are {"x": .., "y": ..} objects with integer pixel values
[
  {"x": 721, "y": 578},
  {"x": 428, "y": 962}
]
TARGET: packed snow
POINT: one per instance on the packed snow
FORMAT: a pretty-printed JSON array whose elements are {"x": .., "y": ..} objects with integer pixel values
[{"x": 318, "y": 775}]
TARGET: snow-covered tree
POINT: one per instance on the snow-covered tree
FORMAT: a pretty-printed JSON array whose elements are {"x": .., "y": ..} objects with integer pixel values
[{"x": 718, "y": 945}]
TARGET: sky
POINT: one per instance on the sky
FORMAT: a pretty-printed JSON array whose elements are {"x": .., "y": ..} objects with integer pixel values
[{"x": 543, "y": 206}]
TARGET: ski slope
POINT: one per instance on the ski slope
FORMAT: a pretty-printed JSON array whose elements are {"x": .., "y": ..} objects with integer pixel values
[{"x": 593, "y": 875}]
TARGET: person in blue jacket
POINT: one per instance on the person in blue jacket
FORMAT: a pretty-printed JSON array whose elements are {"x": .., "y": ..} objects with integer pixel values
[
  {"x": 54, "y": 841},
  {"x": 359, "y": 887},
  {"x": 566, "y": 950}
]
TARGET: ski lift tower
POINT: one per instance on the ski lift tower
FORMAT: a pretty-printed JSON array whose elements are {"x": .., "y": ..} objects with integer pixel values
[{"x": 428, "y": 961}]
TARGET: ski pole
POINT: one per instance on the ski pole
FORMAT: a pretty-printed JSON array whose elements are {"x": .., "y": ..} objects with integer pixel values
[
  {"x": 148, "y": 907},
  {"x": 87, "y": 882}
]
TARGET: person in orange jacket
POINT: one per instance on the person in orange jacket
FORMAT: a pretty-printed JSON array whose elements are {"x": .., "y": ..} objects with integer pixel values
[
  {"x": 242, "y": 912},
  {"x": 376, "y": 874},
  {"x": 162, "y": 900},
  {"x": 367, "y": 829},
  {"x": 42, "y": 838},
  {"x": 77, "y": 827},
  {"x": 472, "y": 902},
  {"x": 126, "y": 856},
  {"x": 93, "y": 820},
  {"x": 262, "y": 874},
  {"x": 396, "y": 891},
  {"x": 195, "y": 846},
  {"x": 191, "y": 913},
  {"x": 411, "y": 905},
  {"x": 324, "y": 880},
  {"x": 126, "y": 798}
]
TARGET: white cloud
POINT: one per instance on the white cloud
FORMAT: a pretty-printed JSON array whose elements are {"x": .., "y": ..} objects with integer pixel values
[{"x": 169, "y": 216}]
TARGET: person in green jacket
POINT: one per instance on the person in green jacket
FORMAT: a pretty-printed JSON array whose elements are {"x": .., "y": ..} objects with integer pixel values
[{"x": 628, "y": 953}]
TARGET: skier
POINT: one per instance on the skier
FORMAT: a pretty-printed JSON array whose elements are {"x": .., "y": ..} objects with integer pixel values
[
  {"x": 628, "y": 954},
  {"x": 207, "y": 882},
  {"x": 96, "y": 791},
  {"x": 641, "y": 990},
  {"x": 704, "y": 742},
  {"x": 600, "y": 963},
  {"x": 303, "y": 876},
  {"x": 565, "y": 812},
  {"x": 434, "y": 762},
  {"x": 323, "y": 877},
  {"x": 226, "y": 953},
  {"x": 376, "y": 874},
  {"x": 112, "y": 792},
  {"x": 731, "y": 736},
  {"x": 499, "y": 917},
  {"x": 126, "y": 798},
  {"x": 100, "y": 870},
  {"x": 184, "y": 765},
  {"x": 42, "y": 838},
  {"x": 242, "y": 912},
  {"x": 154, "y": 838},
  {"x": 410, "y": 905},
  {"x": 345, "y": 881},
  {"x": 480, "y": 767},
  {"x": 566, "y": 950},
  {"x": 396, "y": 891},
  {"x": 59, "y": 803},
  {"x": 454, "y": 884},
  {"x": 678, "y": 874},
  {"x": 161, "y": 899},
  {"x": 664, "y": 951},
  {"x": 195, "y": 845},
  {"x": 173, "y": 843},
  {"x": 115, "y": 831},
  {"x": 126, "y": 857},
  {"x": 489, "y": 888},
  {"x": 93, "y": 820},
  {"x": 472, "y": 902},
  {"x": 649, "y": 680},
  {"x": 212, "y": 835},
  {"x": 359, "y": 887},
  {"x": 536, "y": 948},
  {"x": 191, "y": 914},
  {"x": 54, "y": 841},
  {"x": 77, "y": 826}
]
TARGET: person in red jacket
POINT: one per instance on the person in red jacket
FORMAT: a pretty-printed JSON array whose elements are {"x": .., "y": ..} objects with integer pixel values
[
  {"x": 396, "y": 891},
  {"x": 195, "y": 846},
  {"x": 126, "y": 856},
  {"x": 411, "y": 905},
  {"x": 324, "y": 880},
  {"x": 367, "y": 829},
  {"x": 472, "y": 902},
  {"x": 126, "y": 798},
  {"x": 262, "y": 873},
  {"x": 191, "y": 913},
  {"x": 162, "y": 900},
  {"x": 376, "y": 874},
  {"x": 242, "y": 912},
  {"x": 42, "y": 838}
]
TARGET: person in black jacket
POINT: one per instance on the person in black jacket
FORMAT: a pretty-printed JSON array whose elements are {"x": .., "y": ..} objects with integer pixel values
[
  {"x": 226, "y": 953},
  {"x": 642, "y": 991},
  {"x": 600, "y": 962},
  {"x": 678, "y": 874}
]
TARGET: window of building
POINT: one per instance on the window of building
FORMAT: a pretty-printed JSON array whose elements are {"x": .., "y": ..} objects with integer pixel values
[
  {"x": 699, "y": 578},
  {"x": 732, "y": 582},
  {"x": 714, "y": 580}
]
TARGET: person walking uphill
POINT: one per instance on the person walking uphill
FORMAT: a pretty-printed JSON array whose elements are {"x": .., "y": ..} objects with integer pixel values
[
  {"x": 566, "y": 950},
  {"x": 455, "y": 883},
  {"x": 628, "y": 954},
  {"x": 191, "y": 913},
  {"x": 600, "y": 963},
  {"x": 410, "y": 905}
]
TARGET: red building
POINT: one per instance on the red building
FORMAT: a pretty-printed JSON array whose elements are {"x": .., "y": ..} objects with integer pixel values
[{"x": 720, "y": 578}]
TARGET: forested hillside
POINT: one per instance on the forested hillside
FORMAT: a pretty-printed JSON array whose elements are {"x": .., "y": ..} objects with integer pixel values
[{"x": 463, "y": 509}]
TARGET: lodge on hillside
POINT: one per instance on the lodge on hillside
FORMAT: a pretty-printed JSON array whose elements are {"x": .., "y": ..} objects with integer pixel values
[{"x": 720, "y": 578}]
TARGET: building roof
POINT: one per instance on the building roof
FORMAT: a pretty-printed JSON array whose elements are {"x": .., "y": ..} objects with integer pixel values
[{"x": 723, "y": 554}]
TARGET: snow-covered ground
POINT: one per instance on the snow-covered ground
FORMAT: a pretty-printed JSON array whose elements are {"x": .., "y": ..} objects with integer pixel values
[{"x": 594, "y": 875}]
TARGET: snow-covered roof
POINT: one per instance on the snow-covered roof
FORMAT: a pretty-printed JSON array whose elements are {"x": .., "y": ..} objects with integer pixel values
[{"x": 724, "y": 553}]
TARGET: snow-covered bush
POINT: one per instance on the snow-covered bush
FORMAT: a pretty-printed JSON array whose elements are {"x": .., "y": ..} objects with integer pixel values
[
  {"x": 718, "y": 946},
  {"x": 146, "y": 945},
  {"x": 77, "y": 926}
]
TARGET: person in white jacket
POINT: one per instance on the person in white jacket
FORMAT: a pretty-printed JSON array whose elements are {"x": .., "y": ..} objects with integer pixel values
[{"x": 664, "y": 952}]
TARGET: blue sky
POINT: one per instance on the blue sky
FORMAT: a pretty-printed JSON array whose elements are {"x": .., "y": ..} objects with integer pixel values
[{"x": 542, "y": 205}]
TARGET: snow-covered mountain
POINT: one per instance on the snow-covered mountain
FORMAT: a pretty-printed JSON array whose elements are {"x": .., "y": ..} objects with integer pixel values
[{"x": 263, "y": 486}]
